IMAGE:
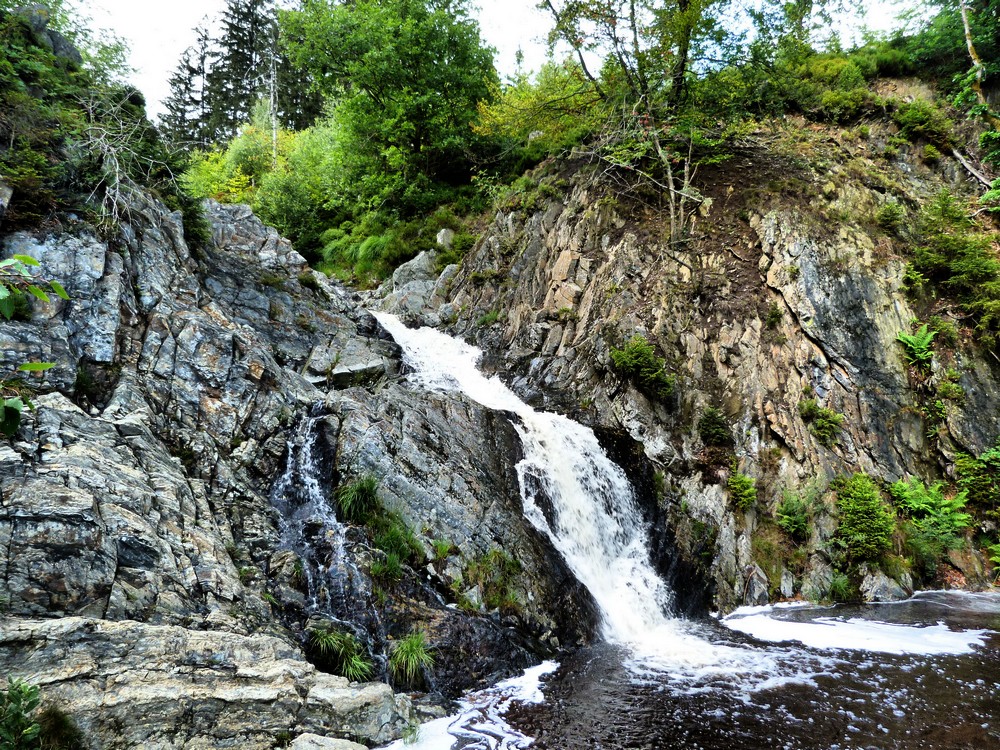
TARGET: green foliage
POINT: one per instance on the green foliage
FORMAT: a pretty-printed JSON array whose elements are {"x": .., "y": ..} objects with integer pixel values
[
  {"x": 495, "y": 572},
  {"x": 403, "y": 129},
  {"x": 825, "y": 424},
  {"x": 937, "y": 523},
  {"x": 18, "y": 727},
  {"x": 979, "y": 477},
  {"x": 865, "y": 526},
  {"x": 358, "y": 500},
  {"x": 890, "y": 216},
  {"x": 920, "y": 119},
  {"x": 409, "y": 657},
  {"x": 959, "y": 258},
  {"x": 793, "y": 517},
  {"x": 638, "y": 362},
  {"x": 341, "y": 652},
  {"x": 841, "y": 589},
  {"x": 774, "y": 316},
  {"x": 917, "y": 346},
  {"x": 488, "y": 319},
  {"x": 713, "y": 428},
  {"x": 742, "y": 490},
  {"x": 442, "y": 548}
]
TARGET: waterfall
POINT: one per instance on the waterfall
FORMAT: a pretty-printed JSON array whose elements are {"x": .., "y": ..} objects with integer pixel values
[
  {"x": 310, "y": 528},
  {"x": 590, "y": 511}
]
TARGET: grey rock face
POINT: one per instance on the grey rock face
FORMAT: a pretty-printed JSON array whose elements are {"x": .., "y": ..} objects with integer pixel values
[{"x": 139, "y": 548}]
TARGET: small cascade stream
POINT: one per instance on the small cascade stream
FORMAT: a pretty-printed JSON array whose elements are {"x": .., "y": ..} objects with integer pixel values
[
  {"x": 310, "y": 528},
  {"x": 661, "y": 681}
]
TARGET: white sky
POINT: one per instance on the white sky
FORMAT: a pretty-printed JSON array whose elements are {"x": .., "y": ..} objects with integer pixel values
[{"x": 159, "y": 32}]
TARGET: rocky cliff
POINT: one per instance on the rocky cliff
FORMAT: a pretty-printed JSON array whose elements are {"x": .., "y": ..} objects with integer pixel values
[
  {"x": 785, "y": 290},
  {"x": 151, "y": 587}
]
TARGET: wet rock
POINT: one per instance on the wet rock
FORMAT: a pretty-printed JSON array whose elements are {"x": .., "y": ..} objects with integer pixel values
[
  {"x": 876, "y": 586},
  {"x": 787, "y": 584},
  {"x": 316, "y": 742},
  {"x": 755, "y": 591}
]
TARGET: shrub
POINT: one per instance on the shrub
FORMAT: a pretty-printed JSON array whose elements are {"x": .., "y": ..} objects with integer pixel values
[
  {"x": 358, "y": 500},
  {"x": 932, "y": 512},
  {"x": 865, "y": 526},
  {"x": 18, "y": 728},
  {"x": 342, "y": 651},
  {"x": 841, "y": 589},
  {"x": 823, "y": 423},
  {"x": 713, "y": 429},
  {"x": 409, "y": 657},
  {"x": 793, "y": 517},
  {"x": 637, "y": 362},
  {"x": 979, "y": 477},
  {"x": 921, "y": 119},
  {"x": 742, "y": 490},
  {"x": 890, "y": 216}
]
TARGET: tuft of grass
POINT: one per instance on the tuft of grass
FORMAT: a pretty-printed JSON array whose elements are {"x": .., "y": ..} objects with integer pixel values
[
  {"x": 358, "y": 500},
  {"x": 409, "y": 657},
  {"x": 342, "y": 651},
  {"x": 58, "y": 730},
  {"x": 442, "y": 548}
]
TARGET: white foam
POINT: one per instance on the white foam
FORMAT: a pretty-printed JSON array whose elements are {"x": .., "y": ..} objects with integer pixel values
[
  {"x": 480, "y": 717},
  {"x": 858, "y": 634}
]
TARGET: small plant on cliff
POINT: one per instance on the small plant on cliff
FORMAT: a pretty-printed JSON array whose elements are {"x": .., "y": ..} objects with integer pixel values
[
  {"x": 823, "y": 423},
  {"x": 638, "y": 362},
  {"x": 495, "y": 573},
  {"x": 865, "y": 526},
  {"x": 342, "y": 651},
  {"x": 713, "y": 429},
  {"x": 409, "y": 657},
  {"x": 917, "y": 347},
  {"x": 18, "y": 728},
  {"x": 742, "y": 490},
  {"x": 58, "y": 730},
  {"x": 793, "y": 517},
  {"x": 358, "y": 500},
  {"x": 980, "y": 477},
  {"x": 890, "y": 216}
]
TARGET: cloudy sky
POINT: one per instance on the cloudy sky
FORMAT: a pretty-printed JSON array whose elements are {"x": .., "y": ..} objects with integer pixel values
[{"x": 159, "y": 32}]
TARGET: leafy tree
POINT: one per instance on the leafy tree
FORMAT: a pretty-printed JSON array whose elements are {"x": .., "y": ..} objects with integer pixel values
[{"x": 404, "y": 78}]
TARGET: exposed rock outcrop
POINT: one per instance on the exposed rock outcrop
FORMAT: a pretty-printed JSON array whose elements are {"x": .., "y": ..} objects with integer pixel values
[
  {"x": 786, "y": 290},
  {"x": 140, "y": 552}
]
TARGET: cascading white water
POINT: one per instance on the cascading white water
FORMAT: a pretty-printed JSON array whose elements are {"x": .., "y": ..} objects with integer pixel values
[{"x": 594, "y": 520}]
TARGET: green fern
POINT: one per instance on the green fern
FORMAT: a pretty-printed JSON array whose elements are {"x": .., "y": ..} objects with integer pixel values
[{"x": 917, "y": 346}]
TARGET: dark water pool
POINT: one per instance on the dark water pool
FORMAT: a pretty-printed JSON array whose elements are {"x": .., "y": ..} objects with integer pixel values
[{"x": 934, "y": 682}]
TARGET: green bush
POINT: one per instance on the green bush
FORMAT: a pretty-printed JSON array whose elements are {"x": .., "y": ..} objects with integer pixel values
[
  {"x": 18, "y": 728},
  {"x": 713, "y": 429},
  {"x": 890, "y": 216},
  {"x": 340, "y": 652},
  {"x": 793, "y": 517},
  {"x": 979, "y": 477},
  {"x": 933, "y": 513},
  {"x": 409, "y": 657},
  {"x": 865, "y": 525},
  {"x": 742, "y": 490},
  {"x": 638, "y": 362},
  {"x": 921, "y": 119},
  {"x": 825, "y": 424}
]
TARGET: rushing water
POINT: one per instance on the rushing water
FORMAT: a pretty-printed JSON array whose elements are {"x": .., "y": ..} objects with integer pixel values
[{"x": 920, "y": 675}]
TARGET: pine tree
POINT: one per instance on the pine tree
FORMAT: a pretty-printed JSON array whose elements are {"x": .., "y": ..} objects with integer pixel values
[{"x": 187, "y": 118}]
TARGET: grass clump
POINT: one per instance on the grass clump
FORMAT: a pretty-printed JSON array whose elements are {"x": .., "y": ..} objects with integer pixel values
[
  {"x": 637, "y": 362},
  {"x": 58, "y": 730},
  {"x": 825, "y": 424},
  {"x": 358, "y": 500},
  {"x": 495, "y": 572},
  {"x": 409, "y": 657},
  {"x": 865, "y": 526},
  {"x": 341, "y": 651}
]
